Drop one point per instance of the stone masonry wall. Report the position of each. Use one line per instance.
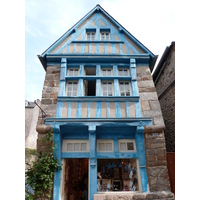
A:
(48, 103)
(155, 148)
(167, 99)
(131, 196)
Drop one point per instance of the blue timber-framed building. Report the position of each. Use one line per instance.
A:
(98, 112)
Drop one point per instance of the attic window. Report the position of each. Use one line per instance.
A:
(105, 34)
(90, 33)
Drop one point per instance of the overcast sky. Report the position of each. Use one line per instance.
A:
(151, 22)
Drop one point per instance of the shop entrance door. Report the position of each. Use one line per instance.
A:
(75, 179)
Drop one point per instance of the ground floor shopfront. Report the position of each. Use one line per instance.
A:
(99, 158)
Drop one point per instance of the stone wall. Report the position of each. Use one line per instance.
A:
(31, 117)
(167, 99)
(131, 196)
(48, 103)
(155, 148)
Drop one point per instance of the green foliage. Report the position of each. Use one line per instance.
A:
(29, 152)
(40, 176)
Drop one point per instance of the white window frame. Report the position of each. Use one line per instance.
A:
(73, 142)
(106, 70)
(91, 36)
(107, 91)
(104, 141)
(105, 36)
(122, 72)
(72, 72)
(67, 87)
(124, 87)
(127, 141)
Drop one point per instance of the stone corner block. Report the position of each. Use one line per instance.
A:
(43, 128)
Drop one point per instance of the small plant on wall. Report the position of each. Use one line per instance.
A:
(39, 175)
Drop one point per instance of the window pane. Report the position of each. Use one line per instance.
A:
(109, 72)
(122, 94)
(83, 146)
(109, 146)
(101, 147)
(70, 147)
(130, 146)
(76, 146)
(127, 93)
(122, 146)
(125, 72)
(69, 93)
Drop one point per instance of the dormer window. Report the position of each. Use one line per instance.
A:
(105, 34)
(90, 34)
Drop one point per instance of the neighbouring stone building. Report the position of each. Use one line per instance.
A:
(164, 79)
(104, 110)
(31, 118)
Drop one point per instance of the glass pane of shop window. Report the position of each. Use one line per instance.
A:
(130, 146)
(70, 147)
(109, 146)
(76, 146)
(101, 146)
(83, 146)
(122, 146)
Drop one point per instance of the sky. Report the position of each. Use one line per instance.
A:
(151, 22)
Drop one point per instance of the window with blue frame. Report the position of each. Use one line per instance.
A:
(125, 88)
(107, 88)
(72, 88)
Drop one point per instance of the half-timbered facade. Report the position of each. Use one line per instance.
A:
(104, 111)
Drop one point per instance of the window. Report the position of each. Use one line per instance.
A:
(105, 36)
(123, 72)
(72, 72)
(119, 175)
(124, 88)
(105, 146)
(75, 145)
(126, 145)
(106, 72)
(72, 88)
(107, 88)
(91, 36)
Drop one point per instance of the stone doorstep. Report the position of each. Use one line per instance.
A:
(131, 195)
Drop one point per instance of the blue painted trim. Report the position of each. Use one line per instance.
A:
(80, 87)
(98, 87)
(79, 110)
(98, 70)
(59, 109)
(57, 174)
(98, 41)
(98, 109)
(116, 87)
(139, 139)
(115, 70)
(137, 109)
(88, 110)
(108, 110)
(127, 109)
(99, 98)
(69, 109)
(117, 155)
(125, 78)
(75, 155)
(104, 122)
(118, 109)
